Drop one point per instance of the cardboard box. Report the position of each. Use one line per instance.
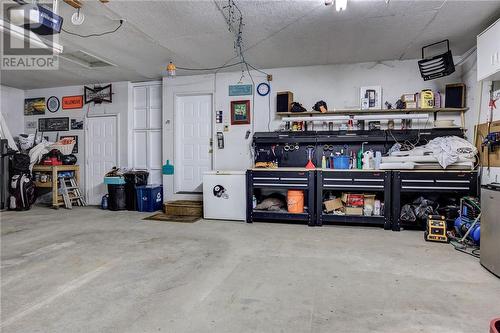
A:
(353, 211)
(411, 105)
(408, 98)
(355, 200)
(332, 205)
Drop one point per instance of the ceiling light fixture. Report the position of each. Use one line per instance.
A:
(171, 69)
(340, 5)
(77, 18)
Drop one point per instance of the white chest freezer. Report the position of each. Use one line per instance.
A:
(224, 195)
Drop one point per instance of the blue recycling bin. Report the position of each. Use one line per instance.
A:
(149, 198)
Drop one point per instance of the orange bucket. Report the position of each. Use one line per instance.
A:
(295, 201)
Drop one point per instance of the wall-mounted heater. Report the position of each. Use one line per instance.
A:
(437, 66)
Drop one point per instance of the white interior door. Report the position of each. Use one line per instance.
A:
(193, 133)
(101, 154)
(147, 136)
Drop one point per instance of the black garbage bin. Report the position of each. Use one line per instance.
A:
(117, 198)
(132, 180)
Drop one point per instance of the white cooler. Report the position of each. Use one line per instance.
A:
(224, 195)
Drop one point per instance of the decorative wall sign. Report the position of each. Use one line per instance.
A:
(34, 106)
(30, 125)
(74, 137)
(98, 94)
(53, 104)
(53, 124)
(240, 89)
(72, 102)
(240, 112)
(263, 89)
(76, 124)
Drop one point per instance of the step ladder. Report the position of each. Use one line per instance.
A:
(71, 193)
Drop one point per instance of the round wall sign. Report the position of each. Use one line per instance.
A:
(263, 89)
(53, 104)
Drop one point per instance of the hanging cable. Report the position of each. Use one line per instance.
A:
(209, 68)
(96, 34)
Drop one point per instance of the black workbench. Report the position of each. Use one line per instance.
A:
(281, 179)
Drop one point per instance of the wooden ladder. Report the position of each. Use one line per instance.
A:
(71, 192)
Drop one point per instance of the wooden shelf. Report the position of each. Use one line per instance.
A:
(46, 184)
(348, 112)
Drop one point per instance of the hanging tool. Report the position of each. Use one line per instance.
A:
(310, 164)
(491, 142)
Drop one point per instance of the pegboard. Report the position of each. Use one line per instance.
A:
(482, 131)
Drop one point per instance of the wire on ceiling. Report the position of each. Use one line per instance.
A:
(95, 34)
(209, 68)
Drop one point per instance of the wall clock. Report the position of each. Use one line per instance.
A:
(53, 104)
(263, 89)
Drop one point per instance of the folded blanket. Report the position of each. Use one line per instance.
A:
(450, 149)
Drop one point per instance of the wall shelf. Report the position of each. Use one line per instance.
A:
(353, 112)
(348, 112)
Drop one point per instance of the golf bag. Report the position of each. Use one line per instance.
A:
(22, 192)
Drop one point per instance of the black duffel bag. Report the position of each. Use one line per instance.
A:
(20, 164)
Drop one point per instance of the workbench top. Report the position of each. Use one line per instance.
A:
(356, 170)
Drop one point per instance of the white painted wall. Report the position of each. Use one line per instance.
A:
(338, 85)
(122, 101)
(11, 106)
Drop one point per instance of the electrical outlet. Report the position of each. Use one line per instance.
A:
(226, 128)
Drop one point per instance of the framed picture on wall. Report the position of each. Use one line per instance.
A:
(240, 112)
(34, 106)
(74, 137)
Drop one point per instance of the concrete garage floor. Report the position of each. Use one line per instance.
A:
(89, 270)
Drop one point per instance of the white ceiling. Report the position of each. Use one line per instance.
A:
(276, 34)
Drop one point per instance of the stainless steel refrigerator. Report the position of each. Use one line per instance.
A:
(490, 228)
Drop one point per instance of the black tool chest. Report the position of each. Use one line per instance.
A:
(378, 182)
(281, 179)
(388, 185)
(446, 183)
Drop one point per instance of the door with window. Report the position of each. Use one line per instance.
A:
(193, 135)
(147, 136)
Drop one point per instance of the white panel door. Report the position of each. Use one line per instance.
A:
(154, 157)
(101, 154)
(155, 101)
(147, 136)
(140, 107)
(193, 132)
(140, 151)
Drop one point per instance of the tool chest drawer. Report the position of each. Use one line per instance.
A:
(281, 179)
(448, 181)
(355, 180)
